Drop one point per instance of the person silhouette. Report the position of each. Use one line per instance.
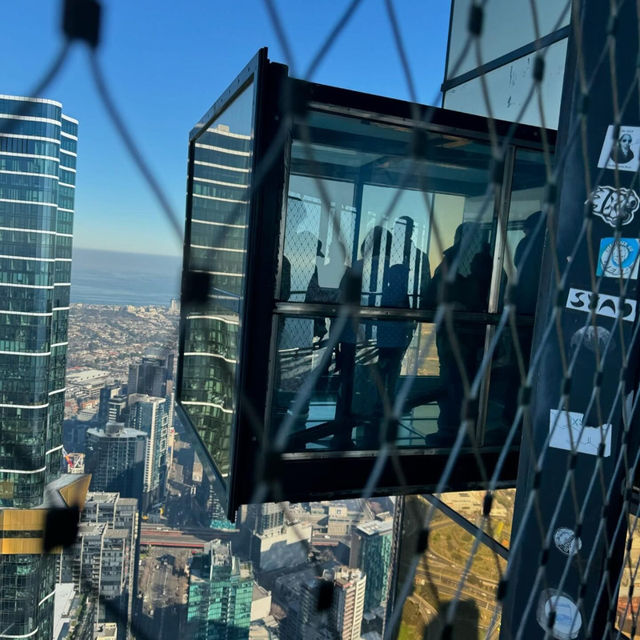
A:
(394, 336)
(527, 260)
(467, 291)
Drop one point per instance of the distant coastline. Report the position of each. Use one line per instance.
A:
(117, 278)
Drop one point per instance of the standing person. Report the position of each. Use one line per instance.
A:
(408, 274)
(527, 260)
(467, 292)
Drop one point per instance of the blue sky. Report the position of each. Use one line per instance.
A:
(166, 63)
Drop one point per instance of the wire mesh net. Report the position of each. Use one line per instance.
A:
(347, 379)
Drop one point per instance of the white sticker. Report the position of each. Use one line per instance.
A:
(567, 428)
(614, 205)
(623, 151)
(567, 620)
(618, 258)
(592, 338)
(567, 541)
(609, 306)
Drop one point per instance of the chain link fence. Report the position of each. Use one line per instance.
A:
(565, 390)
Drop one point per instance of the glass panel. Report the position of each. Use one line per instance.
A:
(525, 241)
(439, 571)
(507, 25)
(218, 235)
(358, 207)
(372, 360)
(509, 88)
(628, 604)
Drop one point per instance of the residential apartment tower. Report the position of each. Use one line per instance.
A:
(37, 184)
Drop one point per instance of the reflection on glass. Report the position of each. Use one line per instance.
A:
(510, 88)
(438, 574)
(356, 202)
(364, 224)
(628, 605)
(504, 30)
(523, 255)
(218, 231)
(360, 376)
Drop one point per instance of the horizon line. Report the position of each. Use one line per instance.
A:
(133, 253)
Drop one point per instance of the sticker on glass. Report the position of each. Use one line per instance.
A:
(621, 150)
(569, 433)
(566, 541)
(609, 306)
(567, 620)
(592, 338)
(618, 258)
(614, 205)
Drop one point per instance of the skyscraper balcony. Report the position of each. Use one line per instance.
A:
(321, 225)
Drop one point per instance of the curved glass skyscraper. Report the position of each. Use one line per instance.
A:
(37, 183)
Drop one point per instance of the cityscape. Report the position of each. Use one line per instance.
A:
(331, 416)
(267, 563)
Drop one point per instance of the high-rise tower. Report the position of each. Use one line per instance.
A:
(371, 552)
(151, 415)
(37, 184)
(153, 375)
(220, 592)
(348, 602)
(115, 458)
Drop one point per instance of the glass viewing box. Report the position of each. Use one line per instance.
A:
(304, 197)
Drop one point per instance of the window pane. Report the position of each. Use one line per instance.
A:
(509, 87)
(507, 25)
(364, 373)
(358, 206)
(438, 574)
(523, 256)
(218, 234)
(628, 604)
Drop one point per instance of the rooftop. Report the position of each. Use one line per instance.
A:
(91, 528)
(344, 576)
(376, 527)
(124, 433)
(102, 496)
(259, 592)
(109, 497)
(143, 397)
(116, 533)
(106, 631)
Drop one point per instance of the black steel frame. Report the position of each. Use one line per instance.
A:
(308, 476)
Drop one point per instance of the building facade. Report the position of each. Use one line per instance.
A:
(118, 513)
(220, 594)
(347, 608)
(102, 561)
(38, 146)
(105, 411)
(371, 546)
(217, 249)
(115, 458)
(153, 375)
(276, 543)
(150, 415)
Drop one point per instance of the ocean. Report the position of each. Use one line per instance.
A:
(115, 278)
